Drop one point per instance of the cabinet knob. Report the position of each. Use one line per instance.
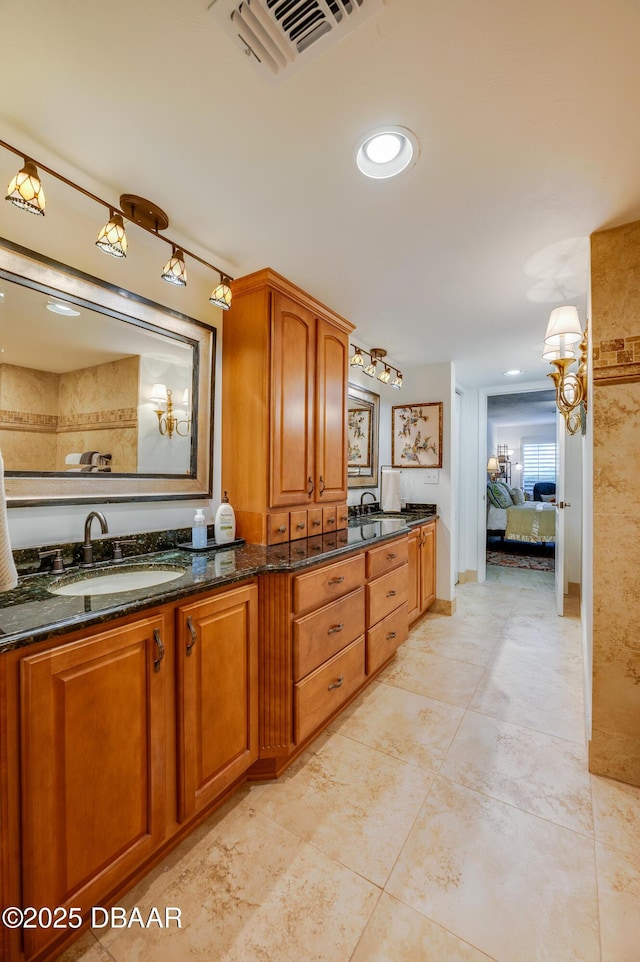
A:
(331, 520)
(336, 684)
(282, 528)
(300, 525)
(316, 523)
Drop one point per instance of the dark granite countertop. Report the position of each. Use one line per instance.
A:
(30, 613)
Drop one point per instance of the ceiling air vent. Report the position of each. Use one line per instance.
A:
(280, 36)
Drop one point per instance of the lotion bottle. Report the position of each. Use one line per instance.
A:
(225, 522)
(199, 530)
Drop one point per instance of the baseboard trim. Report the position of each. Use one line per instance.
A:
(440, 607)
(466, 577)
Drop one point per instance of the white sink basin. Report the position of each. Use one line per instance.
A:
(124, 579)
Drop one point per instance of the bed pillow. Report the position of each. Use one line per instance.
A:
(517, 495)
(498, 494)
(549, 498)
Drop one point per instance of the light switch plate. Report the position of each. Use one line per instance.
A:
(431, 476)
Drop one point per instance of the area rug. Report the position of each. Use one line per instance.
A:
(520, 561)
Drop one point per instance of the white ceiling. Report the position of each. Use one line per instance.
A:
(526, 115)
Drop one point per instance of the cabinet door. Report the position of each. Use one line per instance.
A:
(217, 660)
(92, 729)
(414, 555)
(292, 403)
(428, 566)
(331, 413)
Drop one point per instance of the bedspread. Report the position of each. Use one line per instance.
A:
(533, 521)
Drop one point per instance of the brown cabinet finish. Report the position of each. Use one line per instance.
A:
(92, 724)
(385, 638)
(386, 593)
(217, 666)
(386, 557)
(284, 380)
(422, 569)
(324, 632)
(325, 584)
(319, 696)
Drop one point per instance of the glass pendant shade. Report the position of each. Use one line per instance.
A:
(221, 295)
(357, 360)
(385, 375)
(174, 271)
(25, 190)
(563, 327)
(370, 369)
(112, 238)
(397, 381)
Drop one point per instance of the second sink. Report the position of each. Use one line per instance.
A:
(123, 579)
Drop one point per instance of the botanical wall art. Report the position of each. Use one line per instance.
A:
(359, 437)
(416, 435)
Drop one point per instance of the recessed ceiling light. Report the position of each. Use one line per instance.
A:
(60, 308)
(513, 372)
(1, 295)
(386, 151)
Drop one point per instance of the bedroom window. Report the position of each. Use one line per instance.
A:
(538, 463)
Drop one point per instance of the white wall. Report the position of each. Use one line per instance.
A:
(156, 450)
(67, 234)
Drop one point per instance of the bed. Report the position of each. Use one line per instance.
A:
(530, 521)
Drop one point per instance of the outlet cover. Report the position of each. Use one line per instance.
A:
(431, 476)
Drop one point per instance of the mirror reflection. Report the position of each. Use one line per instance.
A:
(364, 407)
(83, 392)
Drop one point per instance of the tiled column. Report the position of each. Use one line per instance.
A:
(615, 326)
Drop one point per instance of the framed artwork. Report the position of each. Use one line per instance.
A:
(416, 435)
(362, 437)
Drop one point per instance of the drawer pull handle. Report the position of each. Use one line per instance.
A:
(331, 520)
(300, 525)
(392, 634)
(391, 594)
(193, 634)
(391, 557)
(160, 647)
(282, 529)
(335, 629)
(344, 517)
(336, 581)
(311, 487)
(322, 485)
(317, 523)
(336, 684)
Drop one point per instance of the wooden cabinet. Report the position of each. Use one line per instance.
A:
(422, 569)
(217, 666)
(387, 596)
(111, 742)
(92, 765)
(284, 416)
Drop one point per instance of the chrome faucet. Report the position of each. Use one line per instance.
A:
(87, 547)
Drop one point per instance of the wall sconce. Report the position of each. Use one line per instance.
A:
(26, 192)
(371, 369)
(563, 332)
(493, 468)
(168, 423)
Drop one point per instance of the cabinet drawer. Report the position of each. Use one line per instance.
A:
(386, 557)
(327, 583)
(323, 691)
(329, 519)
(298, 524)
(314, 521)
(278, 528)
(386, 593)
(386, 637)
(343, 517)
(320, 635)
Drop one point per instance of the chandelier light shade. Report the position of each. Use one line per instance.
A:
(385, 376)
(112, 238)
(563, 331)
(371, 368)
(376, 354)
(357, 359)
(175, 271)
(397, 381)
(25, 190)
(221, 295)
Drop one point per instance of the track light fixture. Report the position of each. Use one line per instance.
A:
(371, 369)
(26, 192)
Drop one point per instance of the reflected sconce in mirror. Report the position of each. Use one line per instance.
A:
(371, 369)
(168, 423)
(562, 334)
(26, 192)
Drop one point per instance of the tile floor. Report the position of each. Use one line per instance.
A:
(446, 816)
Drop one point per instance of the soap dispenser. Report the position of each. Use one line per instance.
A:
(199, 530)
(224, 527)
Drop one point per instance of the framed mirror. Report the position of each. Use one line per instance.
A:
(104, 395)
(363, 427)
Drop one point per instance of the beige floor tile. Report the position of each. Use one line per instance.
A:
(619, 897)
(519, 687)
(411, 727)
(538, 773)
(521, 577)
(464, 640)
(354, 803)
(515, 886)
(86, 949)
(260, 895)
(445, 679)
(616, 812)
(396, 933)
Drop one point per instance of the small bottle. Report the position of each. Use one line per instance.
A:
(225, 522)
(199, 530)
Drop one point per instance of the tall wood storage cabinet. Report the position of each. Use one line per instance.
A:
(284, 411)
